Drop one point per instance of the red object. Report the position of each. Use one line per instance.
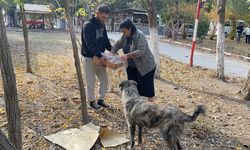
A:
(36, 22)
(198, 12)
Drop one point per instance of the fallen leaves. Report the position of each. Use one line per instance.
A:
(50, 100)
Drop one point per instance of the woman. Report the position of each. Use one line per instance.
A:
(141, 63)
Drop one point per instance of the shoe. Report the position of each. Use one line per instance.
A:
(101, 102)
(94, 105)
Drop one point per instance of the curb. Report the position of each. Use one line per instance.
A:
(208, 49)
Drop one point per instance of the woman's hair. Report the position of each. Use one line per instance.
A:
(127, 24)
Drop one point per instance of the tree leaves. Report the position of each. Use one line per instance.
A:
(81, 12)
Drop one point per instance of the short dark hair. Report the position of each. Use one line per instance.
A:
(103, 9)
(128, 24)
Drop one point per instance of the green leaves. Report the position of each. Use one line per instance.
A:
(4, 3)
(60, 10)
(81, 12)
(19, 2)
(7, 3)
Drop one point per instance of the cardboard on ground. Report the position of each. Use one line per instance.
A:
(85, 137)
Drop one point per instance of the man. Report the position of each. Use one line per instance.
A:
(94, 42)
(240, 29)
(247, 33)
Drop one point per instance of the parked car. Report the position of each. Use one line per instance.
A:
(186, 30)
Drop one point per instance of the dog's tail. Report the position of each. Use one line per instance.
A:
(200, 109)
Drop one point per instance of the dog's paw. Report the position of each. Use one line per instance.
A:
(141, 146)
(129, 148)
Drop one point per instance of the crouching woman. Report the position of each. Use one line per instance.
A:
(141, 64)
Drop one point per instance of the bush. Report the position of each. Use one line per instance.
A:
(203, 27)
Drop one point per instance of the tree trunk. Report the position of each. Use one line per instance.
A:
(220, 38)
(150, 6)
(84, 112)
(10, 90)
(211, 37)
(154, 39)
(5, 144)
(245, 91)
(25, 35)
(173, 32)
(233, 29)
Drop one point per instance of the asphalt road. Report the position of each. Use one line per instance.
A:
(206, 60)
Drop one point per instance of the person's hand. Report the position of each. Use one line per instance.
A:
(113, 53)
(102, 60)
(124, 57)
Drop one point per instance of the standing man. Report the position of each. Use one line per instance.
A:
(240, 29)
(94, 42)
(247, 33)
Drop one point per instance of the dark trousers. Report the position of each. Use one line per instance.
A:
(248, 39)
(145, 84)
(238, 37)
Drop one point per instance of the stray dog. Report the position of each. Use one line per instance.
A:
(121, 73)
(169, 119)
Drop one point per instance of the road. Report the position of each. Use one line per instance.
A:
(206, 60)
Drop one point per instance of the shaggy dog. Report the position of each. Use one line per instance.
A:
(169, 119)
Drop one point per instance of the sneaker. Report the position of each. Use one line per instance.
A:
(94, 105)
(101, 102)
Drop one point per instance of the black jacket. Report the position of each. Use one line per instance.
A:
(94, 39)
(240, 29)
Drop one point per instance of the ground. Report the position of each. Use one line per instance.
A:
(49, 99)
(231, 46)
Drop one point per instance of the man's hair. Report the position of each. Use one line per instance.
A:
(103, 9)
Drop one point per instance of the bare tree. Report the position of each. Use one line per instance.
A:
(26, 39)
(172, 17)
(150, 6)
(5, 143)
(10, 90)
(245, 91)
(220, 46)
(84, 112)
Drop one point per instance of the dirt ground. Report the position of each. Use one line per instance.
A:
(48, 99)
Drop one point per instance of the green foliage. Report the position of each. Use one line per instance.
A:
(81, 12)
(19, 2)
(237, 8)
(3, 2)
(203, 26)
(6, 3)
(186, 10)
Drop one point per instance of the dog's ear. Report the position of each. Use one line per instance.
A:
(122, 84)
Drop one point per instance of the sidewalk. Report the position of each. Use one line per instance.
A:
(205, 49)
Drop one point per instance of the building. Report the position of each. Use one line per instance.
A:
(37, 16)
